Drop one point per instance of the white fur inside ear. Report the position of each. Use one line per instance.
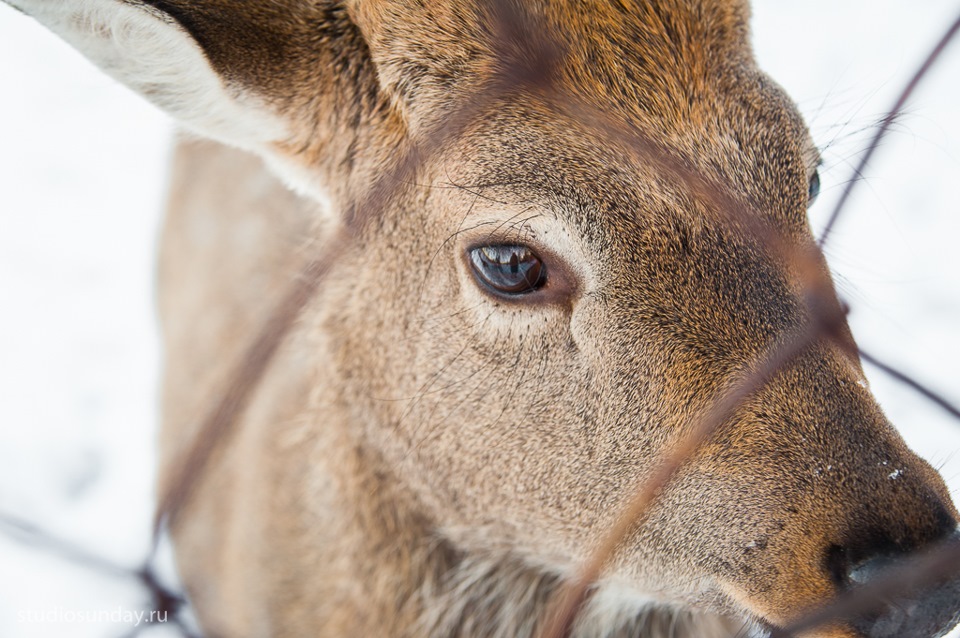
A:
(152, 54)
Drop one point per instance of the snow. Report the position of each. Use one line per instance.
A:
(82, 171)
(82, 165)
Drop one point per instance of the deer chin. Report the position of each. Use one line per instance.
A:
(513, 591)
(611, 609)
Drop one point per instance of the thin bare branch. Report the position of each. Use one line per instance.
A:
(910, 382)
(719, 411)
(27, 533)
(891, 116)
(253, 365)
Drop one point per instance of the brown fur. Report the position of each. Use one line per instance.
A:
(427, 459)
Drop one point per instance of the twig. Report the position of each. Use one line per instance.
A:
(909, 381)
(887, 121)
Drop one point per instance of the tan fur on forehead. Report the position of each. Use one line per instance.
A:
(633, 53)
(655, 57)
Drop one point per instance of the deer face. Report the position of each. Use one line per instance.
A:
(536, 315)
(532, 326)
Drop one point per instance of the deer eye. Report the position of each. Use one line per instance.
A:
(814, 188)
(508, 269)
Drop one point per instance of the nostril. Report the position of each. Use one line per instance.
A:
(868, 570)
(871, 549)
(849, 567)
(911, 613)
(838, 565)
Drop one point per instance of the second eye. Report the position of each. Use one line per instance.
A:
(813, 188)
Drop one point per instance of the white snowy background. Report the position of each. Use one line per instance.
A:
(82, 169)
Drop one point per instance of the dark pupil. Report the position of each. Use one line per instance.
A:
(509, 269)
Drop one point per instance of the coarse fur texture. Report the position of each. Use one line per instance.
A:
(428, 457)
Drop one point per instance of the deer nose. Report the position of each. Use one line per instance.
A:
(928, 613)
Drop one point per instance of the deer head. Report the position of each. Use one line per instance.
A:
(573, 228)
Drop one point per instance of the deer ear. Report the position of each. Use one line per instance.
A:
(427, 54)
(145, 46)
(288, 79)
(432, 57)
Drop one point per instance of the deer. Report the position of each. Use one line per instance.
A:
(551, 234)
